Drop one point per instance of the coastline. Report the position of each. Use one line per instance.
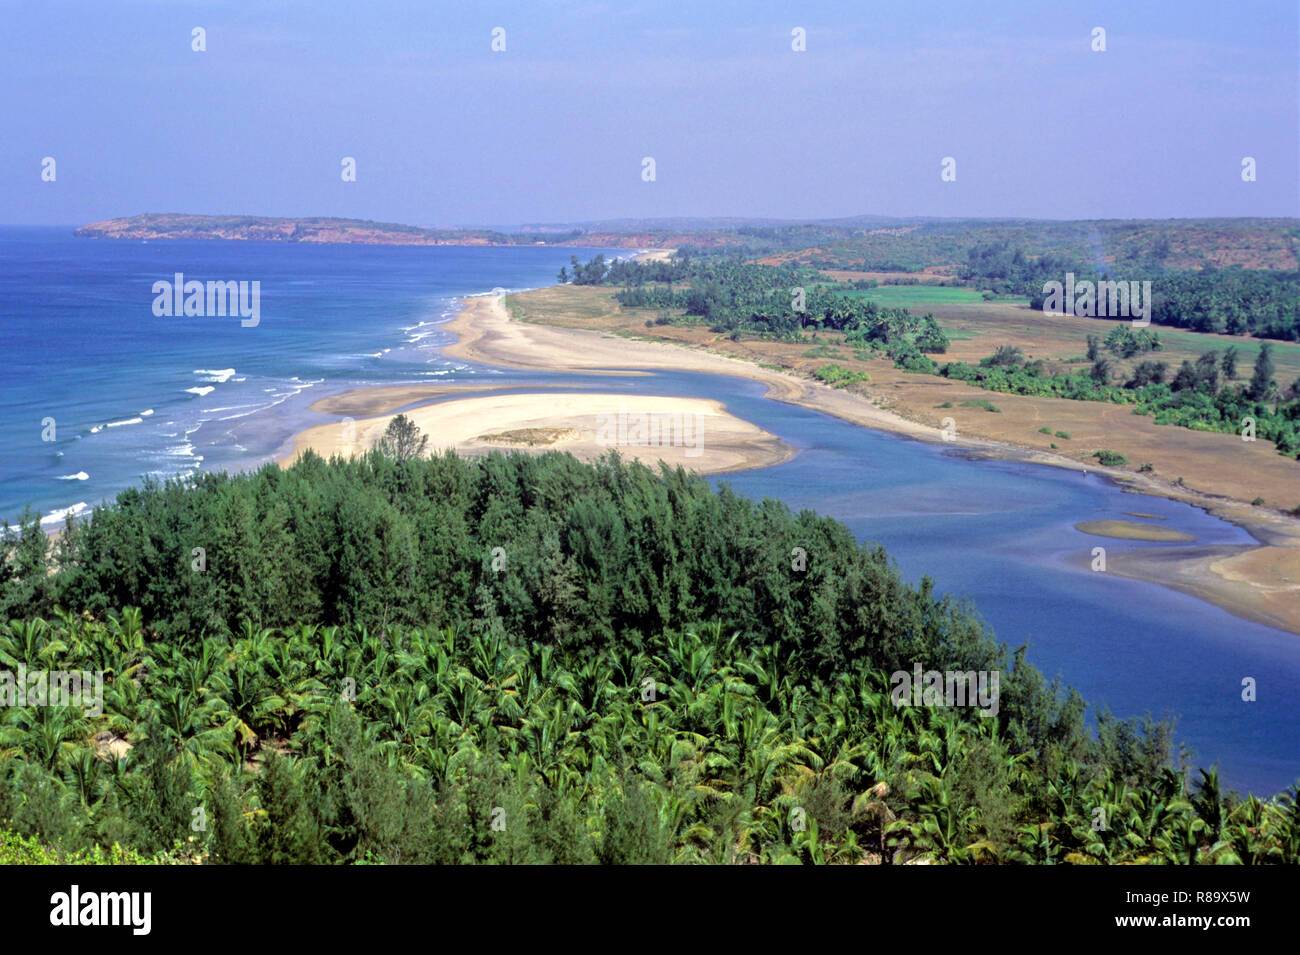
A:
(1260, 583)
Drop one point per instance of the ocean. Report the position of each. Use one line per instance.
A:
(101, 392)
(132, 394)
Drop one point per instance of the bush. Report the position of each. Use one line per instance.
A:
(837, 376)
(1110, 459)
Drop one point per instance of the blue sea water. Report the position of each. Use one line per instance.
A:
(83, 347)
(133, 394)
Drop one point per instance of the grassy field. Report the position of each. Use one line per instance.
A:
(1286, 355)
(903, 296)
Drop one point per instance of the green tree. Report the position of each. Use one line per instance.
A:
(1261, 382)
(286, 832)
(402, 440)
(1228, 363)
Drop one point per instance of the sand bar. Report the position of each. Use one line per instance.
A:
(1134, 531)
(695, 433)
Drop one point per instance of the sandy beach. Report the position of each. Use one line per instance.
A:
(1257, 583)
(694, 433)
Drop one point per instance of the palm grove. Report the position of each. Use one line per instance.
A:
(517, 659)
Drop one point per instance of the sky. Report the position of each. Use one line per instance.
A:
(446, 131)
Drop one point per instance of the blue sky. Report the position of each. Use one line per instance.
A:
(447, 132)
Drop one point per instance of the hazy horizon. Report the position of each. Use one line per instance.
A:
(448, 133)
(689, 221)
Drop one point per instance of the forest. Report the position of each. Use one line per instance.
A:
(771, 302)
(1220, 301)
(517, 659)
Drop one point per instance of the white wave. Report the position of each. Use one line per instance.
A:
(185, 450)
(56, 516)
(244, 414)
(118, 424)
(79, 476)
(96, 429)
(202, 390)
(218, 375)
(146, 413)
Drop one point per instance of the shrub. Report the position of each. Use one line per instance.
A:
(1110, 459)
(837, 376)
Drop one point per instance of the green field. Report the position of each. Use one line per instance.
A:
(905, 295)
(1285, 354)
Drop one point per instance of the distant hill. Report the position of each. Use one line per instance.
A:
(862, 243)
(269, 229)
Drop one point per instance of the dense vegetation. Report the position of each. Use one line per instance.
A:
(529, 659)
(766, 301)
(1198, 396)
(1221, 301)
(986, 249)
